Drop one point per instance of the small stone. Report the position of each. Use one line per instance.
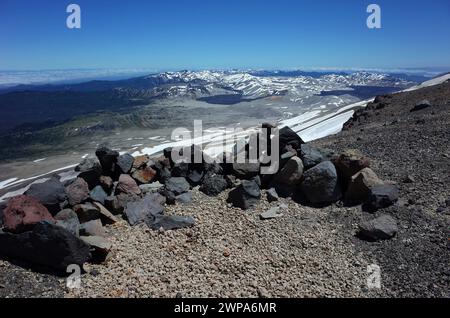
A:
(272, 195)
(381, 228)
(272, 213)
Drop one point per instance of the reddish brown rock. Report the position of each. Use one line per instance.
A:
(350, 162)
(23, 212)
(140, 161)
(127, 185)
(77, 191)
(145, 175)
(360, 185)
(106, 183)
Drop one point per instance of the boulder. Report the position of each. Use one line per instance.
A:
(86, 212)
(177, 185)
(213, 185)
(22, 213)
(108, 160)
(144, 175)
(127, 185)
(143, 211)
(350, 162)
(245, 196)
(311, 156)
(421, 105)
(92, 228)
(125, 163)
(360, 185)
(320, 184)
(291, 173)
(272, 195)
(50, 193)
(184, 198)
(246, 170)
(381, 196)
(171, 222)
(48, 245)
(90, 171)
(170, 196)
(289, 137)
(383, 227)
(68, 219)
(98, 194)
(77, 191)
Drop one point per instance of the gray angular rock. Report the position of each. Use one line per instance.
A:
(381, 196)
(184, 198)
(311, 156)
(99, 246)
(246, 195)
(105, 215)
(98, 194)
(92, 228)
(320, 184)
(151, 187)
(86, 212)
(272, 213)
(143, 211)
(177, 185)
(116, 204)
(68, 219)
(195, 177)
(50, 193)
(171, 222)
(125, 163)
(421, 105)
(272, 195)
(383, 227)
(47, 245)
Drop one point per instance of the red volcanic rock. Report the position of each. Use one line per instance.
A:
(23, 212)
(145, 175)
(77, 191)
(127, 185)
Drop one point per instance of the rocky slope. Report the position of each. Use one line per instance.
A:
(375, 194)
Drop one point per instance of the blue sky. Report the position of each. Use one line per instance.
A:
(201, 34)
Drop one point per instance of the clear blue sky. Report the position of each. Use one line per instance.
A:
(200, 34)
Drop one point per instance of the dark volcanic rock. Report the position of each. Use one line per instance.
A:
(171, 222)
(68, 219)
(86, 212)
(289, 137)
(48, 245)
(213, 185)
(246, 195)
(108, 159)
(177, 185)
(116, 204)
(127, 185)
(195, 177)
(272, 195)
(107, 183)
(381, 196)
(23, 212)
(50, 193)
(320, 184)
(421, 105)
(77, 191)
(381, 228)
(90, 171)
(246, 170)
(180, 169)
(98, 194)
(143, 211)
(125, 163)
(311, 156)
(291, 173)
